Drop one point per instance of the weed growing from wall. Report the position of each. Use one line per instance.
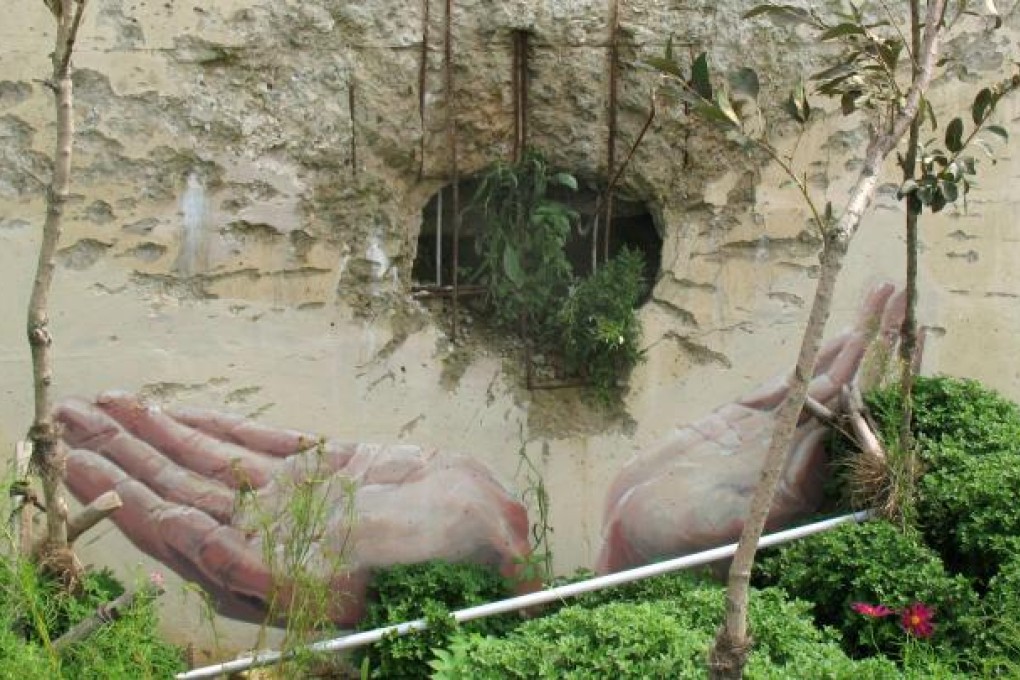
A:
(538, 563)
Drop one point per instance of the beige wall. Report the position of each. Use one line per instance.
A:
(222, 248)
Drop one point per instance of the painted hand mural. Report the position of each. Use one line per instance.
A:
(691, 492)
(205, 492)
(209, 494)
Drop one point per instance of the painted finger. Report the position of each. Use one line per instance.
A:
(227, 561)
(187, 540)
(276, 442)
(228, 463)
(845, 365)
(89, 428)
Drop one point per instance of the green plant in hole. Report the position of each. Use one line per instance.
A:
(521, 244)
(601, 330)
(590, 324)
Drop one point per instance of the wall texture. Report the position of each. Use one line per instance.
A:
(247, 194)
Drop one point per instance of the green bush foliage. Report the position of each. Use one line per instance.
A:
(426, 590)
(601, 331)
(34, 611)
(957, 412)
(970, 513)
(663, 637)
(874, 563)
(968, 437)
(996, 635)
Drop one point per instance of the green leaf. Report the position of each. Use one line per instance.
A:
(949, 191)
(842, 30)
(998, 130)
(802, 102)
(745, 82)
(667, 66)
(790, 106)
(889, 52)
(914, 204)
(512, 266)
(954, 135)
(700, 79)
(722, 100)
(928, 112)
(669, 47)
(713, 114)
(565, 179)
(848, 102)
(782, 11)
(982, 106)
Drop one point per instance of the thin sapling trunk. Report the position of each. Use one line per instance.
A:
(47, 458)
(732, 645)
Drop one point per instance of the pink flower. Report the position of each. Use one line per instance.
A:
(916, 620)
(876, 611)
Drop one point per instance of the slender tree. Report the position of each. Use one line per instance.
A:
(732, 645)
(47, 458)
(865, 76)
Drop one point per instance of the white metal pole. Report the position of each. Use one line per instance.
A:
(530, 600)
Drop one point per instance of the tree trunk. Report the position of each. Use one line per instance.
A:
(732, 645)
(46, 454)
(908, 332)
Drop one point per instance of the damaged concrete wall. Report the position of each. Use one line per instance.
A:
(247, 194)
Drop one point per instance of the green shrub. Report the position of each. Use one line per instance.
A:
(969, 512)
(664, 637)
(947, 410)
(996, 634)
(968, 437)
(34, 611)
(874, 563)
(600, 326)
(426, 590)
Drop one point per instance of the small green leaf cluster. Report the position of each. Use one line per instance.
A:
(872, 562)
(654, 637)
(946, 172)
(429, 590)
(601, 333)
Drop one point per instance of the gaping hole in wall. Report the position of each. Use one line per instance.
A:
(632, 226)
(538, 271)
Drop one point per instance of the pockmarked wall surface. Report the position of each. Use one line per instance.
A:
(249, 181)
